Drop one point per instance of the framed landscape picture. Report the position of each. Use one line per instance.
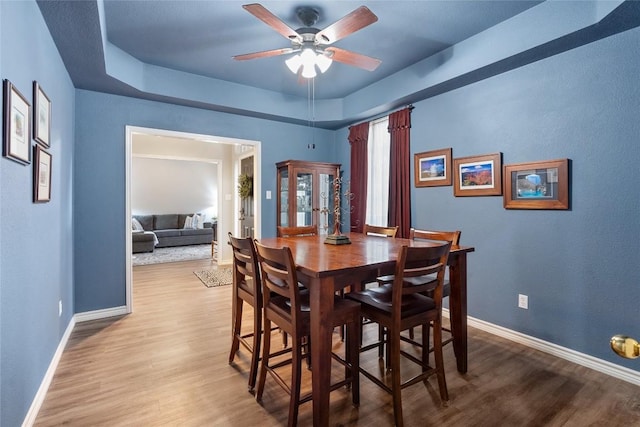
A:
(432, 168)
(537, 185)
(16, 125)
(41, 116)
(478, 175)
(41, 175)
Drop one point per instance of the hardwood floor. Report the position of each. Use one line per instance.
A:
(166, 364)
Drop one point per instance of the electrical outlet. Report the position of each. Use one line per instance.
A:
(523, 301)
(60, 308)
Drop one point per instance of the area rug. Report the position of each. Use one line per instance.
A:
(218, 277)
(174, 254)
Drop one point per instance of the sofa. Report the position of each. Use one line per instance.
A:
(169, 230)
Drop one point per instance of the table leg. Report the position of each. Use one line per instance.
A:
(458, 308)
(322, 292)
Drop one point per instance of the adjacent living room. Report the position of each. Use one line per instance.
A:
(174, 199)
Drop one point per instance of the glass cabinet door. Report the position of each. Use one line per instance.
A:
(284, 198)
(304, 199)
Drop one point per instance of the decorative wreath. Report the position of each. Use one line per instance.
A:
(245, 186)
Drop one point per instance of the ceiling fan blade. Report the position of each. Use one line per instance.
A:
(264, 54)
(351, 58)
(348, 24)
(272, 20)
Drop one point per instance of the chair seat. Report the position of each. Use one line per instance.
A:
(446, 289)
(342, 308)
(380, 299)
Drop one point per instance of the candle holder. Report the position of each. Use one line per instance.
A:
(337, 238)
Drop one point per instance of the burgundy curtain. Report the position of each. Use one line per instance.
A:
(358, 136)
(400, 172)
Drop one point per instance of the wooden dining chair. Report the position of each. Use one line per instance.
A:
(375, 230)
(436, 236)
(287, 306)
(401, 305)
(307, 230)
(247, 287)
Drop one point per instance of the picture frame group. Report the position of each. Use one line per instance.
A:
(530, 185)
(20, 127)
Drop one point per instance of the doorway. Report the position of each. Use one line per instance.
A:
(231, 151)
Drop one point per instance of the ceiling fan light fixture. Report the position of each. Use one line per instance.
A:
(308, 71)
(308, 57)
(323, 62)
(294, 63)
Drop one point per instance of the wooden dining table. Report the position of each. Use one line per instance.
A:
(325, 268)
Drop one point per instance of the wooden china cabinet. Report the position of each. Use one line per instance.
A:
(306, 194)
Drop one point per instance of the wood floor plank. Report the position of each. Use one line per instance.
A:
(166, 365)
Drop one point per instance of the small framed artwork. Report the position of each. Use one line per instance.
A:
(537, 185)
(41, 116)
(478, 175)
(16, 125)
(41, 175)
(432, 168)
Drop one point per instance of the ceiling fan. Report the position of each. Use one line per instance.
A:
(311, 45)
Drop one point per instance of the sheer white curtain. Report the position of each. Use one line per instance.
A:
(379, 146)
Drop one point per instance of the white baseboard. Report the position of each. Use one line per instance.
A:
(101, 314)
(48, 376)
(30, 419)
(582, 359)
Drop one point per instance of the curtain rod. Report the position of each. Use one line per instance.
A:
(371, 119)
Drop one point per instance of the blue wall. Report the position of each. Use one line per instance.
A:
(36, 240)
(100, 144)
(580, 268)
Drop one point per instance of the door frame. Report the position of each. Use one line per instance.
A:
(223, 221)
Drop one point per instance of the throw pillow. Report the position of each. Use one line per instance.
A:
(188, 222)
(197, 221)
(135, 225)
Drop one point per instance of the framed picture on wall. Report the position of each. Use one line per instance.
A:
(16, 125)
(41, 175)
(537, 185)
(41, 116)
(432, 168)
(478, 175)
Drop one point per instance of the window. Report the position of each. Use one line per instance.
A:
(379, 151)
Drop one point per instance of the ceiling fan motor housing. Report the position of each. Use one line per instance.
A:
(307, 16)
